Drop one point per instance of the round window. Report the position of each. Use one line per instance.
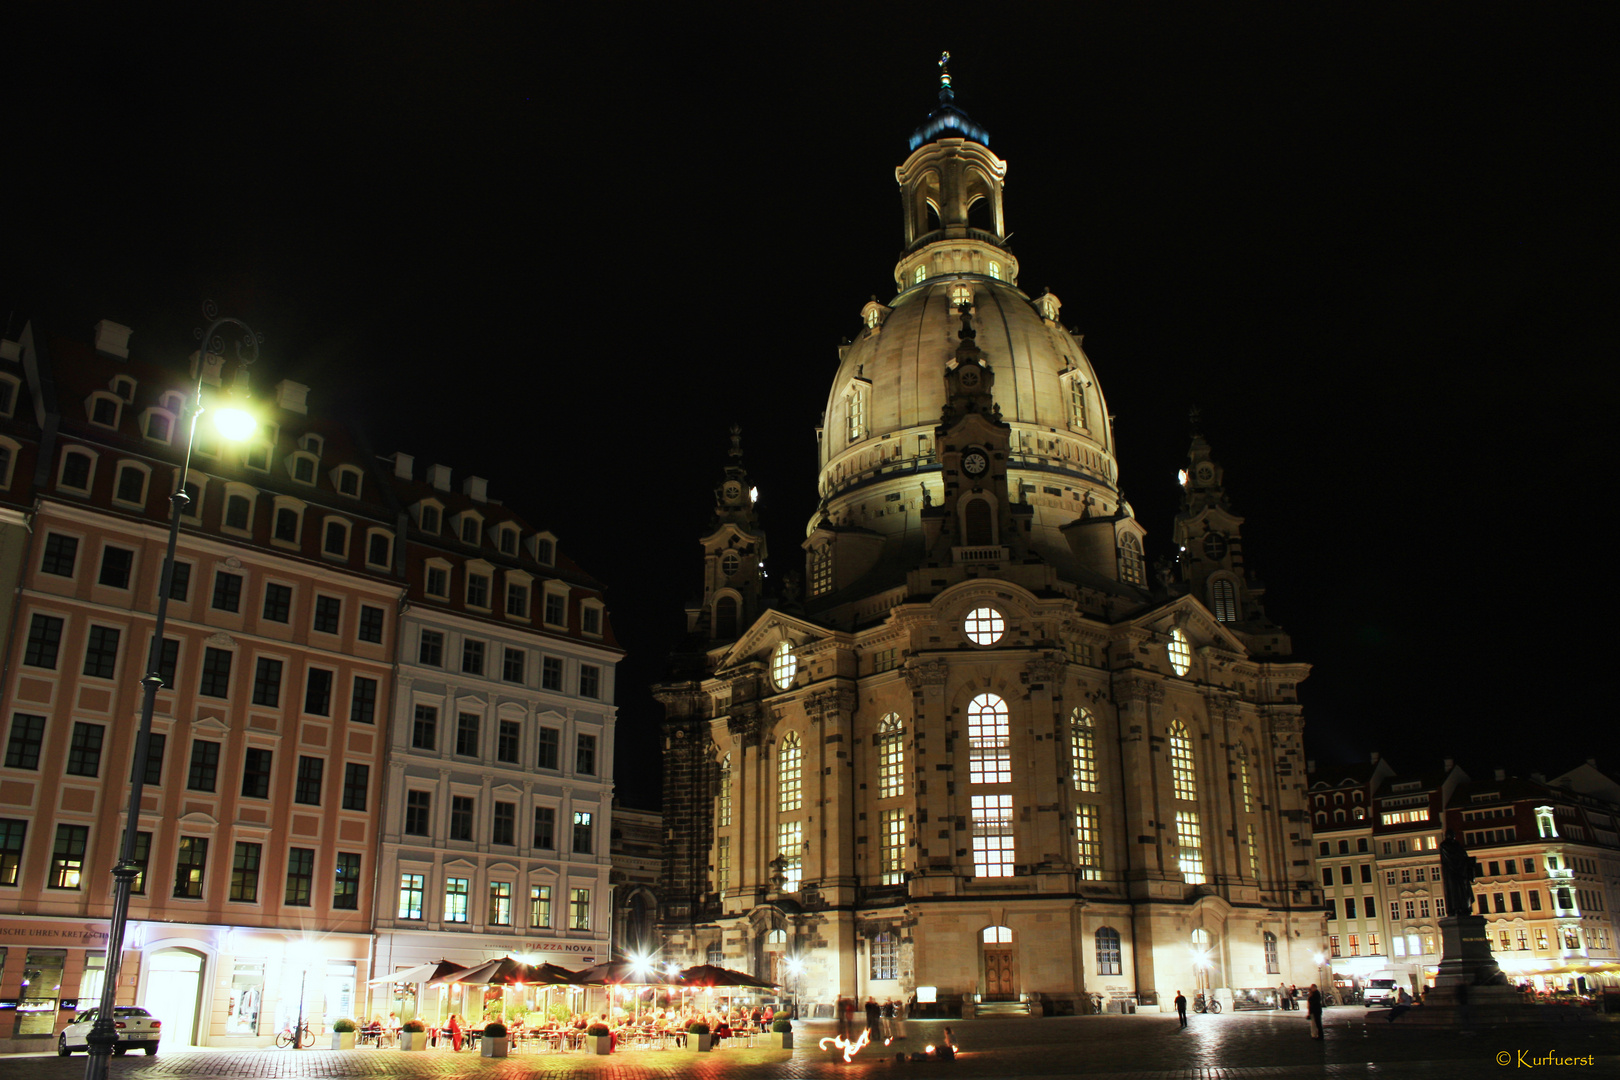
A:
(784, 665)
(984, 626)
(1180, 652)
(729, 563)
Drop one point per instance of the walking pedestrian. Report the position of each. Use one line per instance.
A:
(1313, 1011)
(845, 1012)
(900, 1019)
(874, 1012)
(888, 1020)
(1283, 1000)
(1181, 1007)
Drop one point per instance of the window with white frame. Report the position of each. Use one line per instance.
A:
(301, 466)
(76, 470)
(994, 269)
(347, 479)
(471, 528)
(790, 848)
(130, 487)
(1180, 652)
(335, 538)
(104, 409)
(1083, 749)
(789, 769)
(506, 539)
(891, 748)
(992, 835)
(379, 548)
(286, 521)
(722, 809)
(1189, 847)
(1183, 776)
(1087, 842)
(893, 849)
(989, 741)
(436, 579)
(1130, 560)
(855, 402)
(784, 665)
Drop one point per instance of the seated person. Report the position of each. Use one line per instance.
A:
(947, 1046)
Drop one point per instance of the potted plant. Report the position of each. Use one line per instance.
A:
(599, 1037)
(698, 1037)
(343, 1034)
(412, 1035)
(782, 1033)
(493, 1044)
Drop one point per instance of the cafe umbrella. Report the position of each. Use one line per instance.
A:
(430, 973)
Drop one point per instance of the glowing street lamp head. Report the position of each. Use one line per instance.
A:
(234, 423)
(795, 966)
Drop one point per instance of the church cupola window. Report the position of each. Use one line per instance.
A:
(989, 741)
(725, 617)
(961, 294)
(1083, 750)
(919, 275)
(891, 757)
(1130, 560)
(855, 399)
(729, 564)
(821, 570)
(784, 666)
(1076, 385)
(994, 269)
(1180, 652)
(1223, 598)
(789, 773)
(984, 626)
(1183, 775)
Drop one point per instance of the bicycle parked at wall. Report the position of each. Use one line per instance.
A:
(1206, 1003)
(306, 1038)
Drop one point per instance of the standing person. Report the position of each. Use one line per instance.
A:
(845, 1009)
(900, 1019)
(455, 1031)
(873, 1013)
(1313, 1011)
(1181, 1007)
(888, 1020)
(1282, 996)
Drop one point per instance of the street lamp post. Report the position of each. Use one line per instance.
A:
(103, 1034)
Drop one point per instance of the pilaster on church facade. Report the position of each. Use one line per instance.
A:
(982, 754)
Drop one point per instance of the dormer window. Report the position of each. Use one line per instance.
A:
(286, 522)
(517, 596)
(8, 395)
(124, 387)
(471, 528)
(346, 478)
(428, 518)
(157, 425)
(478, 579)
(919, 275)
(994, 269)
(301, 465)
(379, 549)
(506, 538)
(312, 444)
(335, 538)
(436, 579)
(239, 499)
(855, 401)
(1076, 385)
(105, 409)
(590, 618)
(873, 317)
(544, 549)
(78, 466)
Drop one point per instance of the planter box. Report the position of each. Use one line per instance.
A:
(780, 1040)
(343, 1040)
(699, 1043)
(413, 1040)
(599, 1044)
(492, 1047)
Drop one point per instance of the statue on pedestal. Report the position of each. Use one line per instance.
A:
(1457, 866)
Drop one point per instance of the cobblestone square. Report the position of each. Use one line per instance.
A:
(1262, 1044)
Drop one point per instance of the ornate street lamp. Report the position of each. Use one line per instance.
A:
(236, 423)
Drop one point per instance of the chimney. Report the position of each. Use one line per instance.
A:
(1449, 764)
(292, 396)
(1540, 778)
(1310, 765)
(112, 339)
(403, 465)
(1375, 757)
(1501, 774)
(475, 488)
(439, 477)
(1592, 761)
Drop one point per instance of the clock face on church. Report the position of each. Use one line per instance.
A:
(975, 463)
(732, 490)
(969, 378)
(1214, 547)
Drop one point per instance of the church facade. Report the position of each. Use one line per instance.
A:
(980, 753)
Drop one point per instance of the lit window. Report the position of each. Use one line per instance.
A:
(995, 269)
(539, 906)
(992, 836)
(1189, 847)
(961, 294)
(891, 748)
(67, 857)
(722, 865)
(919, 275)
(990, 756)
(894, 847)
(456, 891)
(885, 952)
(784, 665)
(856, 400)
(500, 903)
(984, 626)
(1223, 595)
(1243, 779)
(722, 812)
(579, 909)
(821, 570)
(1083, 750)
(1272, 963)
(1077, 402)
(1180, 652)
(789, 767)
(790, 848)
(1254, 855)
(1108, 952)
(1087, 843)
(1130, 560)
(1182, 775)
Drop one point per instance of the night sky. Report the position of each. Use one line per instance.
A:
(1372, 242)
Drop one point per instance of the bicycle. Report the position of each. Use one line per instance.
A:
(1204, 1004)
(306, 1038)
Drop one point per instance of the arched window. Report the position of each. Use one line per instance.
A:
(1083, 749)
(891, 748)
(1182, 775)
(1223, 598)
(722, 809)
(789, 764)
(977, 527)
(821, 570)
(716, 955)
(989, 753)
(1130, 560)
(1272, 966)
(1180, 652)
(725, 617)
(1108, 956)
(997, 935)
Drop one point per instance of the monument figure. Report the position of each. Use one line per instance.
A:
(1457, 866)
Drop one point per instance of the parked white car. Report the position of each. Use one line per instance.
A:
(137, 1030)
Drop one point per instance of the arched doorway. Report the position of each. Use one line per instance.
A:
(174, 982)
(1000, 964)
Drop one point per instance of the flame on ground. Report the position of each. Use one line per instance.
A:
(849, 1048)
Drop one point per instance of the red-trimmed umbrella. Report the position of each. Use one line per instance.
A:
(709, 975)
(429, 972)
(507, 971)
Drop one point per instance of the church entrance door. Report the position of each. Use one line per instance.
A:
(1000, 984)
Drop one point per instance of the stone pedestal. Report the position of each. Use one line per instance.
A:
(1466, 959)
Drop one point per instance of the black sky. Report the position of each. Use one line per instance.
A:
(1374, 242)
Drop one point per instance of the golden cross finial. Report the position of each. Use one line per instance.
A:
(945, 76)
